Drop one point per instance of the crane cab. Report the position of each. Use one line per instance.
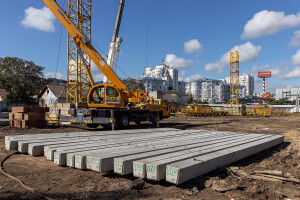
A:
(105, 96)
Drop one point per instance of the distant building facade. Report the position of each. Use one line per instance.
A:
(246, 81)
(282, 93)
(51, 94)
(211, 90)
(173, 97)
(162, 77)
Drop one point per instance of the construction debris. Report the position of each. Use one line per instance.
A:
(266, 175)
(24, 117)
(156, 154)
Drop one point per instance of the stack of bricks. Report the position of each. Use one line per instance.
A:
(25, 117)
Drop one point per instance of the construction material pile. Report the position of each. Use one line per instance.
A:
(25, 117)
(167, 154)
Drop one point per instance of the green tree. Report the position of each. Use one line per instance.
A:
(20, 78)
(190, 99)
(133, 85)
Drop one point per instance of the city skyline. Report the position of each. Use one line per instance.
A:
(189, 36)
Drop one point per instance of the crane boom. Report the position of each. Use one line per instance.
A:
(116, 40)
(118, 21)
(86, 45)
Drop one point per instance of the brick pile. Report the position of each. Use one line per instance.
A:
(25, 117)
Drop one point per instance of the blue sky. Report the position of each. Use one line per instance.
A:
(194, 36)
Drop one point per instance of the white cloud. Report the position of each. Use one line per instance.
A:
(281, 72)
(248, 52)
(295, 41)
(96, 73)
(269, 22)
(296, 58)
(54, 75)
(41, 19)
(295, 73)
(260, 68)
(179, 63)
(192, 46)
(193, 77)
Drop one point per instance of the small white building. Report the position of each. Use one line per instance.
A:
(173, 97)
(176, 97)
(51, 93)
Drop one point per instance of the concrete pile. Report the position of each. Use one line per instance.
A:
(24, 117)
(155, 154)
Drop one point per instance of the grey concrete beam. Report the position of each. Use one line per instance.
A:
(180, 172)
(156, 170)
(124, 165)
(11, 142)
(82, 160)
(60, 157)
(131, 142)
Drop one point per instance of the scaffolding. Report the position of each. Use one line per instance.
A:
(79, 11)
(234, 82)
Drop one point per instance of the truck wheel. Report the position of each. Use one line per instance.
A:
(138, 122)
(124, 121)
(92, 125)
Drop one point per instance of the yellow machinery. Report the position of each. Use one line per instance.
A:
(109, 103)
(234, 82)
(78, 85)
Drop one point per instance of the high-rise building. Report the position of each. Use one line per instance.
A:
(211, 90)
(162, 76)
(247, 81)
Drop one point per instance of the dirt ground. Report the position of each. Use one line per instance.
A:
(57, 182)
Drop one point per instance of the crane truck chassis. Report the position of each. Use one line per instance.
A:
(119, 117)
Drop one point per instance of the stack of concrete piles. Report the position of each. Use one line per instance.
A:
(155, 154)
(24, 117)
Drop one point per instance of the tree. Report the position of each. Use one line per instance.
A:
(133, 85)
(20, 78)
(190, 99)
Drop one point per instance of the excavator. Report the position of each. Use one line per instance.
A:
(109, 104)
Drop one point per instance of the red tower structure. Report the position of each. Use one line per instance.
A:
(264, 75)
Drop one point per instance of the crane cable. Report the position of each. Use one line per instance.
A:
(59, 46)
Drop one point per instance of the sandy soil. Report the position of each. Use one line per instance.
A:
(67, 183)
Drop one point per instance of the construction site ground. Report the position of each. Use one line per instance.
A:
(57, 182)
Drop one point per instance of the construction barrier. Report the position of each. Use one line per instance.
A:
(252, 110)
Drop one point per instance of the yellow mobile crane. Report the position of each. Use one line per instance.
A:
(109, 104)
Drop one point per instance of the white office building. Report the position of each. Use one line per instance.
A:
(162, 76)
(247, 81)
(287, 93)
(211, 91)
